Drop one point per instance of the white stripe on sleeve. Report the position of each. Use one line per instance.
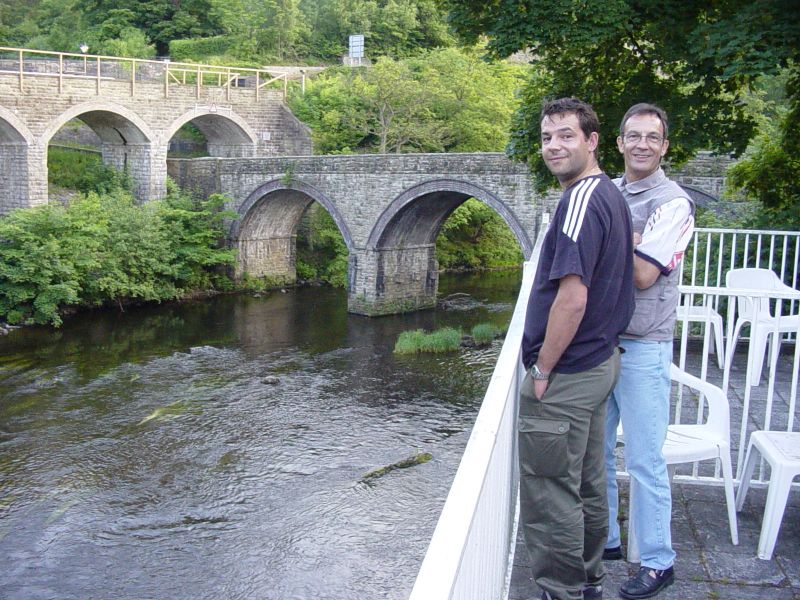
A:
(578, 202)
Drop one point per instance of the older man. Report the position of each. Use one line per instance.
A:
(663, 222)
(581, 301)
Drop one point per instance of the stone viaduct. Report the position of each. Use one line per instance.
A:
(135, 107)
(388, 208)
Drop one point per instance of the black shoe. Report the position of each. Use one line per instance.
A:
(593, 592)
(614, 553)
(647, 583)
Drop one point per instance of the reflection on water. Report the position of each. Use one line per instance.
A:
(215, 449)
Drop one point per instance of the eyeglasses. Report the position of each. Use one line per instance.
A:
(634, 138)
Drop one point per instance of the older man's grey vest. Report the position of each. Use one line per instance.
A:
(655, 314)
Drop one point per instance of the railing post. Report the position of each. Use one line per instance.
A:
(133, 77)
(198, 82)
(166, 80)
(60, 73)
(228, 83)
(258, 84)
(21, 72)
(97, 87)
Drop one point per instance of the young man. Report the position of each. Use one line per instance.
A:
(663, 222)
(582, 299)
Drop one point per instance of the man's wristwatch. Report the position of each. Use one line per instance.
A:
(537, 374)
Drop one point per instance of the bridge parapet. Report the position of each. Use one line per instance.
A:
(26, 64)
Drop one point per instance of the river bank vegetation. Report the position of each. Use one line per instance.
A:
(104, 249)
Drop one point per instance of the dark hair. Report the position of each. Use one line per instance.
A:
(586, 116)
(643, 108)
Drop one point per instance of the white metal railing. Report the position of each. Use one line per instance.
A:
(472, 549)
(713, 252)
(766, 413)
(710, 256)
(25, 63)
(471, 552)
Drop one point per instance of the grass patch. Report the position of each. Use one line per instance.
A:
(484, 333)
(446, 339)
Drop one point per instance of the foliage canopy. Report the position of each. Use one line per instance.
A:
(694, 58)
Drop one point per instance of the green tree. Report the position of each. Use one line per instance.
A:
(476, 237)
(263, 28)
(396, 109)
(160, 20)
(129, 42)
(442, 100)
(768, 171)
(394, 28)
(693, 58)
(329, 97)
(473, 98)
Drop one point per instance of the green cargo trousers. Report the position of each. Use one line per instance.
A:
(563, 506)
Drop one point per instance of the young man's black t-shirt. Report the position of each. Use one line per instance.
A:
(590, 236)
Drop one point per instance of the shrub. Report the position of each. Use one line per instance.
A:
(446, 339)
(104, 249)
(195, 49)
(84, 171)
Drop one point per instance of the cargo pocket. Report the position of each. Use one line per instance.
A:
(543, 443)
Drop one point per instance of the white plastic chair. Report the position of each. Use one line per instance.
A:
(687, 443)
(710, 317)
(781, 449)
(762, 280)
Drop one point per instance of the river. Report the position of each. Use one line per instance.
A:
(217, 449)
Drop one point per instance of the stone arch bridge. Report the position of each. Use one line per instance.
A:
(388, 208)
(134, 107)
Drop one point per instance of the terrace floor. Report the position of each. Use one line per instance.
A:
(708, 566)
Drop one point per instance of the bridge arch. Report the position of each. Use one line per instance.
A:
(227, 134)
(265, 233)
(13, 130)
(398, 270)
(113, 123)
(128, 143)
(416, 216)
(15, 157)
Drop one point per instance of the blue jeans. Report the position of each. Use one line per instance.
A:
(641, 400)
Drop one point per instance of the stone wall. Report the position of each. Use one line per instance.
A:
(706, 172)
(14, 175)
